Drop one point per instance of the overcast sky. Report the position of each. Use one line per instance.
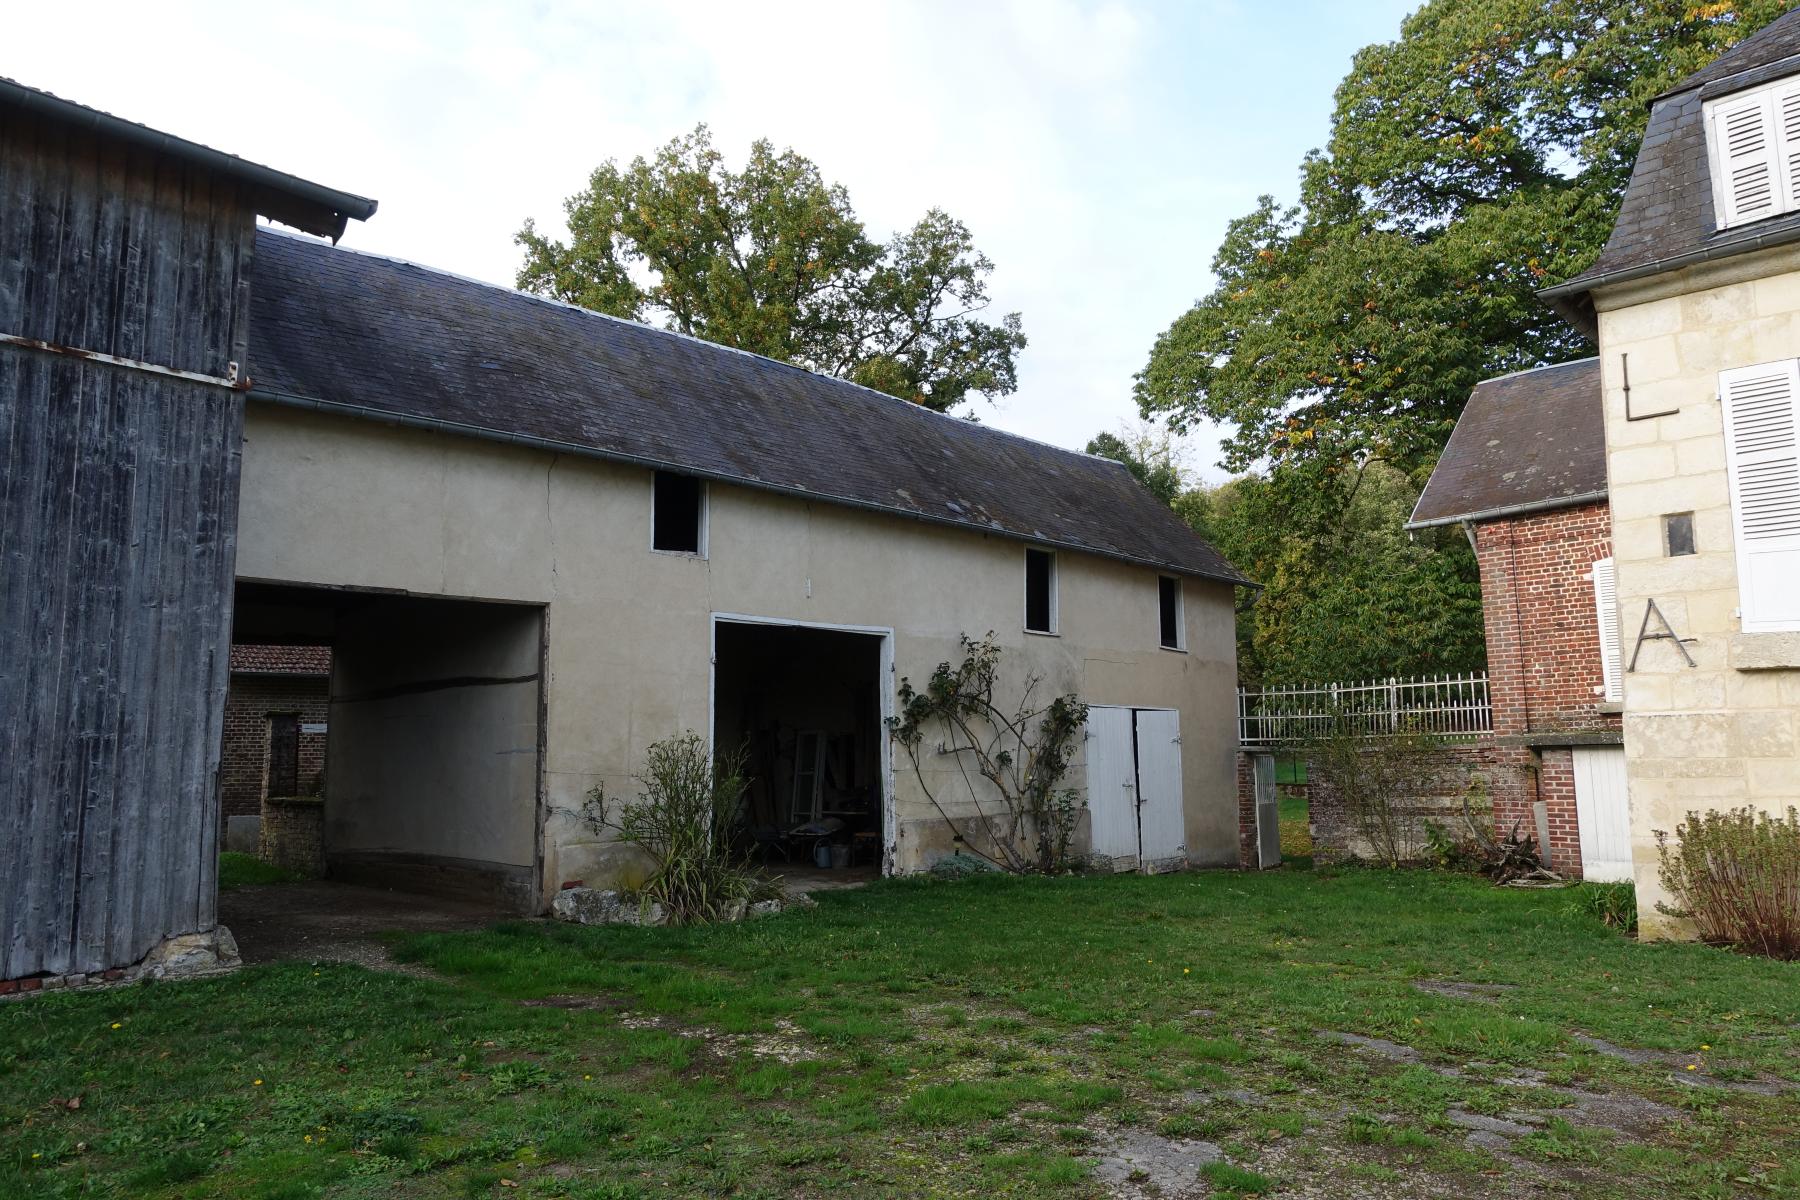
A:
(1096, 150)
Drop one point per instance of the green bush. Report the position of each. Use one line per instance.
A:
(686, 821)
(1736, 876)
(1612, 904)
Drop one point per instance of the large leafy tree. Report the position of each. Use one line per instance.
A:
(773, 259)
(1347, 594)
(1150, 453)
(1472, 162)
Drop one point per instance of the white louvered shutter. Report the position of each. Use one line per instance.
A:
(1606, 611)
(1787, 128)
(1748, 177)
(1762, 450)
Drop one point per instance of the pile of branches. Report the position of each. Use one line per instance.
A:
(1510, 859)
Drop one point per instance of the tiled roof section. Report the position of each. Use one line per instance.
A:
(354, 330)
(1667, 212)
(1529, 440)
(281, 660)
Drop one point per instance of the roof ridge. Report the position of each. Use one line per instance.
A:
(1573, 362)
(444, 272)
(1694, 83)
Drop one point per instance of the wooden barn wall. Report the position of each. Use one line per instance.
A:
(118, 515)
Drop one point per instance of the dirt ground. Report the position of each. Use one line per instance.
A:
(338, 922)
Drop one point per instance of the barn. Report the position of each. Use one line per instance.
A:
(124, 334)
(531, 541)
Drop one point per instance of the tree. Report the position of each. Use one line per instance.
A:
(1347, 593)
(1150, 453)
(773, 260)
(1477, 159)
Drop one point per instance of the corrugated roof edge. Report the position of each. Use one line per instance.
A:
(306, 205)
(885, 397)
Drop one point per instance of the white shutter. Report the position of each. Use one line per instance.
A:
(1606, 608)
(1787, 123)
(1748, 179)
(1762, 419)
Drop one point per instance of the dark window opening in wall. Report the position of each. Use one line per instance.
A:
(284, 754)
(677, 513)
(1168, 596)
(1040, 591)
(1678, 534)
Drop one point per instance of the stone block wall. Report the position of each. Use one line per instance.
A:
(1498, 780)
(1724, 732)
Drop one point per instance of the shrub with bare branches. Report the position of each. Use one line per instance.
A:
(1736, 876)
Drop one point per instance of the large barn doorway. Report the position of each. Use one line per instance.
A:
(806, 704)
(434, 743)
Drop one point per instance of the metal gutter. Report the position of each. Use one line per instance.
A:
(1509, 510)
(308, 206)
(455, 428)
(1743, 245)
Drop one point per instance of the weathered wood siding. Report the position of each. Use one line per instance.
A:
(118, 514)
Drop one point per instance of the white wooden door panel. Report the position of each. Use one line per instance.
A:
(1603, 810)
(1162, 831)
(1112, 788)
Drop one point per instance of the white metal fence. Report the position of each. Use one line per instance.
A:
(1454, 707)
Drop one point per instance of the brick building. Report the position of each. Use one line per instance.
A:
(1524, 475)
(275, 732)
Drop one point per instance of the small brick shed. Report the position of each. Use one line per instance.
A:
(276, 712)
(1524, 475)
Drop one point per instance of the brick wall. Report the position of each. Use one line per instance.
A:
(1556, 788)
(293, 834)
(1543, 639)
(1246, 800)
(244, 753)
(1496, 779)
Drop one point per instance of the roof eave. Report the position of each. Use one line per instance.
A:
(438, 425)
(1509, 510)
(310, 207)
(1575, 295)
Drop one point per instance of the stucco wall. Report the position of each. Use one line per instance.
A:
(335, 501)
(1723, 733)
(433, 750)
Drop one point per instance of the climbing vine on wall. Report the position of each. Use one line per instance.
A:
(1012, 759)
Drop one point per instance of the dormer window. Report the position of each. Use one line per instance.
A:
(1753, 141)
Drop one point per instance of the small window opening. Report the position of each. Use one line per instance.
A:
(1168, 595)
(1040, 591)
(676, 511)
(1678, 534)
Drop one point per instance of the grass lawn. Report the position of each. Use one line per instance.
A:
(244, 870)
(1296, 833)
(990, 1037)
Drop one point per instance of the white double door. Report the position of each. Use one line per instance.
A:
(1603, 813)
(1134, 788)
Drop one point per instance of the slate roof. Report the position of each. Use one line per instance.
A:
(1666, 218)
(1526, 442)
(372, 336)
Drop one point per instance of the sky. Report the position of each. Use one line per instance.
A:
(1095, 150)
